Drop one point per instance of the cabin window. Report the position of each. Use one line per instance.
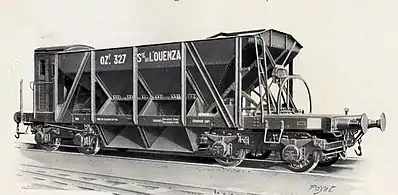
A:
(42, 67)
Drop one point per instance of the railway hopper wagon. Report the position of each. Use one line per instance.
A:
(207, 97)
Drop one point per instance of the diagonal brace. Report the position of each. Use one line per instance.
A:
(74, 85)
(210, 84)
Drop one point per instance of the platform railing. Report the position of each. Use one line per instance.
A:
(33, 86)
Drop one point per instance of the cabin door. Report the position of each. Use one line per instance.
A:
(44, 84)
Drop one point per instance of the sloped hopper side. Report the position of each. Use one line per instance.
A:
(280, 40)
(278, 44)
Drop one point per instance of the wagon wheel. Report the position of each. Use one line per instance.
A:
(259, 155)
(56, 142)
(306, 165)
(230, 162)
(326, 161)
(92, 149)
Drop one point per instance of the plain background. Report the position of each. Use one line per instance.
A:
(348, 59)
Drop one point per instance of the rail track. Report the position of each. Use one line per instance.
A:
(56, 178)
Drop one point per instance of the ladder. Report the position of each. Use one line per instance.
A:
(262, 75)
(263, 81)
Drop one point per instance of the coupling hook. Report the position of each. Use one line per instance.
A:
(359, 153)
(17, 132)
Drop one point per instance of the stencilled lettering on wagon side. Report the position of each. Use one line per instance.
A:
(114, 59)
(159, 56)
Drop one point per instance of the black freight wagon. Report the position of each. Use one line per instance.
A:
(208, 97)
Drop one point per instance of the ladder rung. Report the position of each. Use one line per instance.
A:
(248, 108)
(245, 69)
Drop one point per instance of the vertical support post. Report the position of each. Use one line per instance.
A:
(135, 86)
(46, 84)
(34, 100)
(21, 99)
(238, 82)
(290, 82)
(183, 85)
(56, 68)
(93, 81)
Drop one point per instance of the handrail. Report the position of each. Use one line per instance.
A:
(225, 34)
(31, 83)
(261, 74)
(259, 77)
(291, 77)
(266, 75)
